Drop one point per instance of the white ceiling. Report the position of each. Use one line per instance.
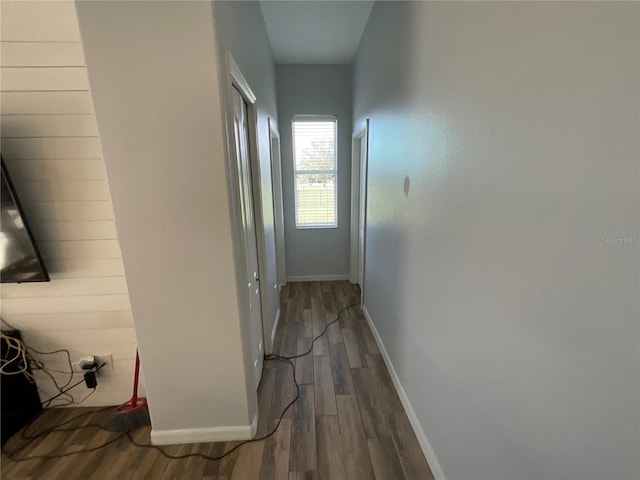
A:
(315, 31)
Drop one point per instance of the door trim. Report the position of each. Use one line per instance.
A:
(235, 79)
(356, 208)
(239, 81)
(278, 206)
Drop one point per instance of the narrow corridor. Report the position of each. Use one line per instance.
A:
(348, 422)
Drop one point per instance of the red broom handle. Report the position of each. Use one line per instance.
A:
(136, 376)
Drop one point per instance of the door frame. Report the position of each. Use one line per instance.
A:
(235, 79)
(278, 205)
(359, 174)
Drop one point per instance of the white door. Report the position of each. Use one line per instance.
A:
(363, 211)
(241, 127)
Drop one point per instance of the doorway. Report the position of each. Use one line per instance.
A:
(243, 163)
(243, 151)
(359, 172)
(278, 206)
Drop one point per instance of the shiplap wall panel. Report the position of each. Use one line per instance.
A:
(73, 321)
(123, 366)
(110, 390)
(62, 169)
(78, 338)
(58, 231)
(67, 287)
(33, 103)
(107, 380)
(68, 211)
(48, 126)
(85, 268)
(78, 303)
(27, 21)
(50, 144)
(44, 78)
(120, 351)
(64, 191)
(80, 250)
(43, 148)
(41, 54)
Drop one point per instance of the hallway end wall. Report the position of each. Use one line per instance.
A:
(319, 253)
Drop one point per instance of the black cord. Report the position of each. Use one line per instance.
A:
(41, 366)
(273, 356)
(53, 352)
(65, 390)
(60, 390)
(48, 402)
(32, 438)
(134, 442)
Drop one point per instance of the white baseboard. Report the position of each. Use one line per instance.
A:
(429, 454)
(318, 278)
(204, 435)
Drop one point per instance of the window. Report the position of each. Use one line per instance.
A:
(315, 171)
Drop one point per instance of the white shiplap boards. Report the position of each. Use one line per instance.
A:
(52, 151)
(41, 54)
(15, 103)
(39, 22)
(28, 126)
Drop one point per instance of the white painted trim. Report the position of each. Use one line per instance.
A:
(256, 190)
(314, 118)
(336, 201)
(358, 134)
(274, 330)
(318, 278)
(278, 207)
(204, 435)
(235, 78)
(429, 454)
(239, 80)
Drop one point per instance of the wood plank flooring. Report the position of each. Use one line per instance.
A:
(347, 424)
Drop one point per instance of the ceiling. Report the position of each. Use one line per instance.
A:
(314, 31)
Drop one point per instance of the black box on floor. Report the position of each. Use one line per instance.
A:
(19, 400)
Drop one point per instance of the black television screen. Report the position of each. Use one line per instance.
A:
(20, 260)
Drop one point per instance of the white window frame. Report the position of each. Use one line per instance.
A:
(296, 172)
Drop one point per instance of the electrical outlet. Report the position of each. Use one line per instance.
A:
(105, 358)
(99, 359)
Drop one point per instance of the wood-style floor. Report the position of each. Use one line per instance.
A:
(347, 424)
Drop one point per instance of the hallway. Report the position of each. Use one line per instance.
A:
(347, 424)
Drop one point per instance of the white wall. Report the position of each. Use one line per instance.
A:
(52, 150)
(512, 324)
(316, 90)
(240, 29)
(153, 68)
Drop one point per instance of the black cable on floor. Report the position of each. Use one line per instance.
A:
(326, 327)
(31, 439)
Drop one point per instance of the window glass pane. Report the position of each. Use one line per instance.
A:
(315, 172)
(315, 199)
(315, 145)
